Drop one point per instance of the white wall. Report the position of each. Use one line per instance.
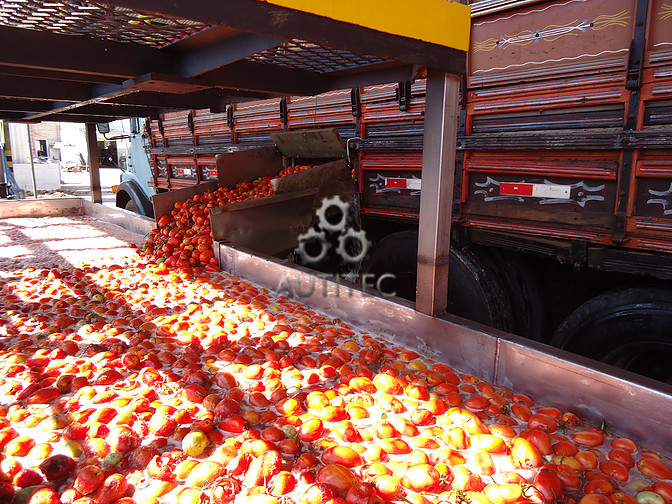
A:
(47, 176)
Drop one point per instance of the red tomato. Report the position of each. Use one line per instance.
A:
(386, 384)
(524, 454)
(595, 498)
(664, 489)
(622, 498)
(477, 403)
(386, 486)
(384, 429)
(113, 488)
(343, 455)
(262, 468)
(600, 486)
(566, 448)
(543, 422)
(489, 443)
(654, 468)
(420, 478)
(549, 484)
(503, 493)
(317, 493)
(626, 444)
(337, 477)
(541, 441)
(363, 493)
(225, 490)
(395, 446)
(468, 420)
(590, 438)
(622, 456)
(521, 411)
(484, 464)
(311, 430)
(456, 438)
(587, 459)
(89, 479)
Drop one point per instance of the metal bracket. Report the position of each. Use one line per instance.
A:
(229, 116)
(355, 102)
(190, 122)
(283, 110)
(403, 93)
(637, 48)
(635, 66)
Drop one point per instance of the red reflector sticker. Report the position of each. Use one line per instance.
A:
(413, 184)
(535, 190)
(396, 182)
(507, 188)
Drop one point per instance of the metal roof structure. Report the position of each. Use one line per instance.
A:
(97, 61)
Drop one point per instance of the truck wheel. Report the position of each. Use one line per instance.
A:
(628, 328)
(475, 291)
(131, 206)
(526, 296)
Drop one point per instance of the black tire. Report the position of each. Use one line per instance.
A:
(628, 328)
(526, 296)
(131, 206)
(474, 290)
(396, 253)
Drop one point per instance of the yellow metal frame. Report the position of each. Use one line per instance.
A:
(436, 21)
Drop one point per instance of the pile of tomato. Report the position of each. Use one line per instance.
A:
(142, 383)
(183, 238)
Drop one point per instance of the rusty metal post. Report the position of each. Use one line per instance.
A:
(32, 161)
(438, 174)
(94, 163)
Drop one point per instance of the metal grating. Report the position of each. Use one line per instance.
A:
(96, 20)
(300, 54)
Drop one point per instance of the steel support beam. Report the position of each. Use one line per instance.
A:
(50, 51)
(94, 163)
(436, 200)
(261, 17)
(223, 53)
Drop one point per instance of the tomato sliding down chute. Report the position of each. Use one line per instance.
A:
(183, 238)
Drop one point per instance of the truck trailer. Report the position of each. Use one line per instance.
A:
(562, 227)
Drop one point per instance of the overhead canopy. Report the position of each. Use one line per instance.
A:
(105, 60)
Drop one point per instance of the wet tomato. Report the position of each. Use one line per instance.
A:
(549, 484)
(524, 454)
(342, 455)
(503, 493)
(420, 478)
(337, 477)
